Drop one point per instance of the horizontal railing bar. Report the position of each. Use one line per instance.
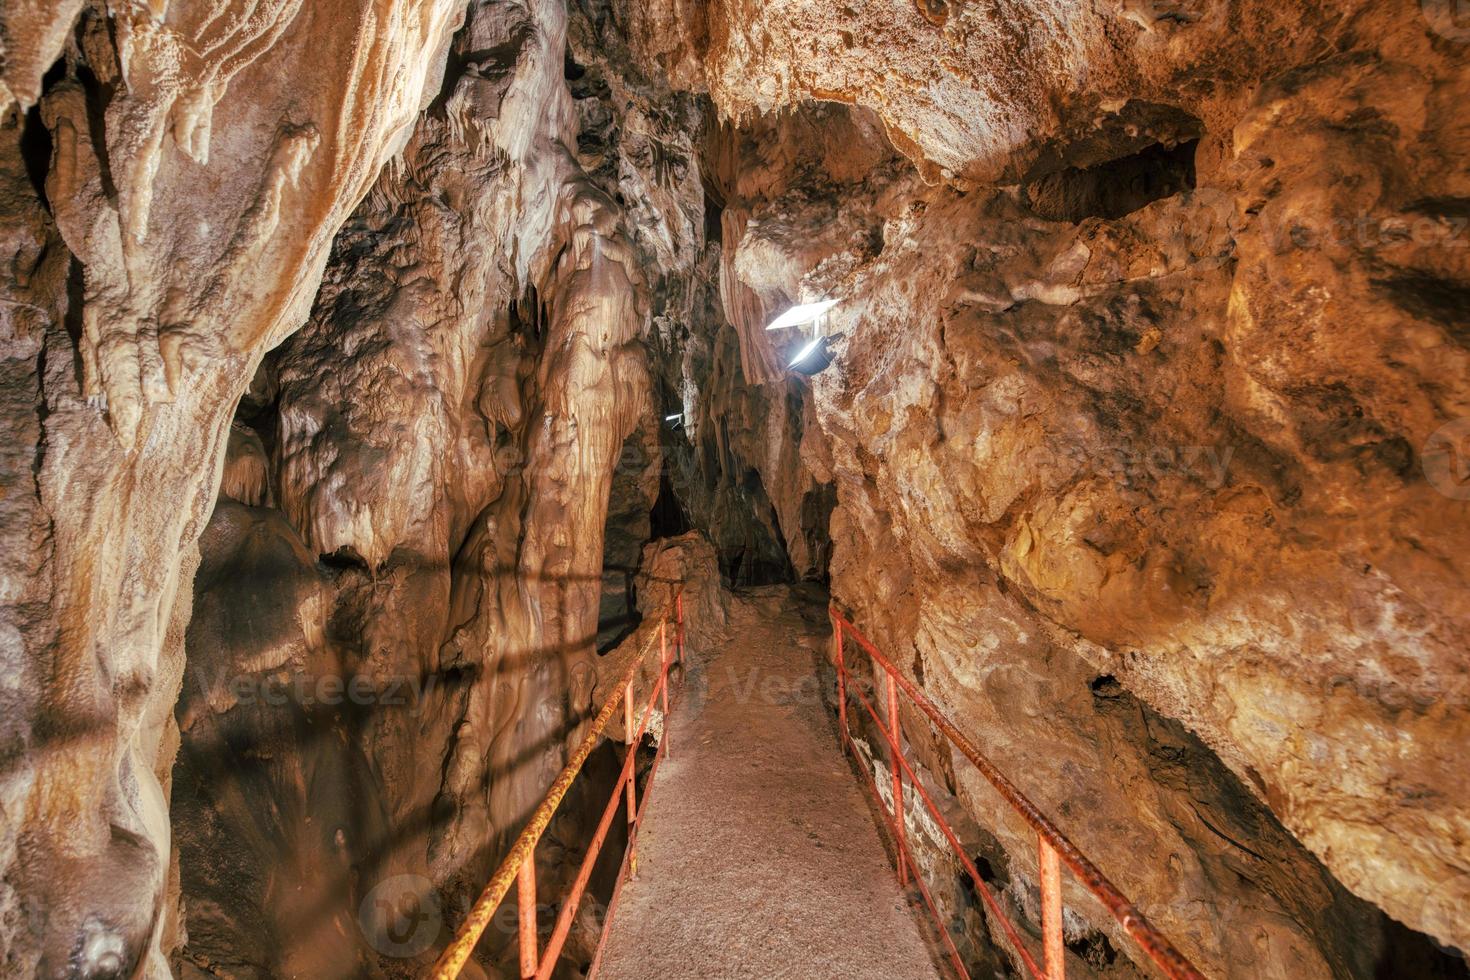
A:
(612, 905)
(901, 848)
(991, 902)
(969, 865)
(455, 955)
(1133, 921)
(563, 927)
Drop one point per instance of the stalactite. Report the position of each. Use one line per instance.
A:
(353, 352)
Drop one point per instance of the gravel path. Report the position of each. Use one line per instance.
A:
(758, 856)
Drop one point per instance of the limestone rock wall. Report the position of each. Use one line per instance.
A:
(445, 433)
(337, 338)
(185, 172)
(442, 448)
(1143, 389)
(1176, 480)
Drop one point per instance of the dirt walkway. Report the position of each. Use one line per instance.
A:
(759, 856)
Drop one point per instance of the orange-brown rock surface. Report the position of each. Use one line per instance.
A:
(192, 162)
(1154, 413)
(368, 344)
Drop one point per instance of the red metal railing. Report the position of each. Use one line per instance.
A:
(519, 865)
(1053, 848)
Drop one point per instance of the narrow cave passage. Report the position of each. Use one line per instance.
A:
(758, 852)
(1052, 416)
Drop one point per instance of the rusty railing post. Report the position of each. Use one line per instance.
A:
(526, 899)
(841, 685)
(1051, 910)
(663, 660)
(632, 795)
(896, 738)
(518, 869)
(1054, 849)
(679, 638)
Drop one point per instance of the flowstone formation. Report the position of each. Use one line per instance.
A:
(1135, 393)
(445, 435)
(359, 361)
(178, 172)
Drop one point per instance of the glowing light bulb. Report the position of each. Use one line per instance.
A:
(805, 313)
(805, 352)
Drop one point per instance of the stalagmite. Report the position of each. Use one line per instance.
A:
(375, 374)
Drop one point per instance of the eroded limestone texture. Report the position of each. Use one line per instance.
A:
(193, 161)
(446, 431)
(1172, 441)
(371, 344)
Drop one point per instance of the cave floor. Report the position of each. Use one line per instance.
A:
(758, 856)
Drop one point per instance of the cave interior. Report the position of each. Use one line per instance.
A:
(382, 377)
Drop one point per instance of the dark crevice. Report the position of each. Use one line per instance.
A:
(1116, 188)
(98, 98)
(667, 519)
(75, 290)
(1093, 949)
(35, 138)
(345, 558)
(35, 152)
(816, 523)
(1433, 299)
(751, 566)
(572, 71)
(714, 210)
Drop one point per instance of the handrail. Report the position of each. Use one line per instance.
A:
(1053, 846)
(519, 865)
